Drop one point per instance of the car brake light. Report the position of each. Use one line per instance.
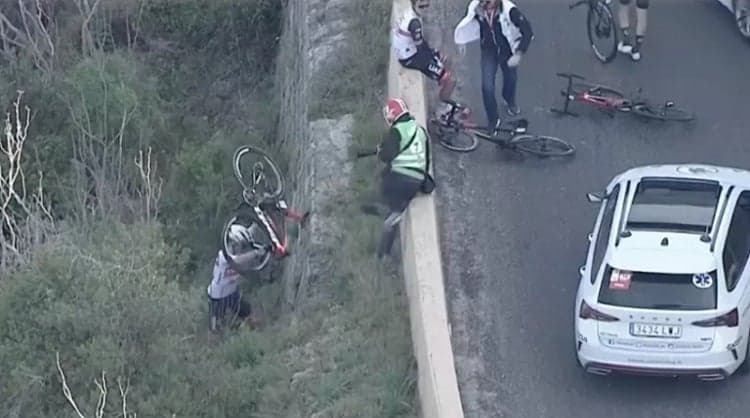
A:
(587, 312)
(729, 319)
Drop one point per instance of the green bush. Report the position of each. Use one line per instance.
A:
(199, 197)
(107, 301)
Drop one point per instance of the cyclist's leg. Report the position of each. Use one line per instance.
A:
(441, 72)
(398, 191)
(247, 314)
(641, 10)
(429, 63)
(218, 309)
(623, 14)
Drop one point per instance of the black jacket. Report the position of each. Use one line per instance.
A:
(490, 43)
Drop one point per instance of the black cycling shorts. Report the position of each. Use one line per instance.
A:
(426, 61)
(232, 305)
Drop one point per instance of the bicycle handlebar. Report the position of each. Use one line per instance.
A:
(570, 75)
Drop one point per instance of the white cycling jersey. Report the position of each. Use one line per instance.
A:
(402, 39)
(225, 279)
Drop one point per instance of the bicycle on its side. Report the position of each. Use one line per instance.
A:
(600, 23)
(461, 135)
(263, 211)
(610, 100)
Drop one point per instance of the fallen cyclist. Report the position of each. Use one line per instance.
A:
(405, 151)
(415, 53)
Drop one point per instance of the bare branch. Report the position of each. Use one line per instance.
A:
(124, 396)
(102, 402)
(150, 191)
(66, 389)
(24, 217)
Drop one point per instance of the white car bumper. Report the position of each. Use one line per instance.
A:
(717, 363)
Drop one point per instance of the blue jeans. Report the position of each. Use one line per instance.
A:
(490, 62)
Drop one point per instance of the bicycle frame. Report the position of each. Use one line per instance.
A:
(602, 102)
(276, 233)
(482, 131)
(608, 103)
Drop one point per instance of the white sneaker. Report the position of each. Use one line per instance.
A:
(624, 48)
(635, 54)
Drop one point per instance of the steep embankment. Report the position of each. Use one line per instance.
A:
(345, 347)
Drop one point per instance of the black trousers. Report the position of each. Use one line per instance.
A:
(398, 190)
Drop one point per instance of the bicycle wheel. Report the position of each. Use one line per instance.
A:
(601, 27)
(662, 113)
(543, 146)
(258, 172)
(454, 138)
(252, 255)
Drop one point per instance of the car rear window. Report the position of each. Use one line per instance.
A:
(635, 289)
(674, 204)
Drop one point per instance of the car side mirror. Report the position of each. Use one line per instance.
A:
(595, 197)
(582, 270)
(591, 236)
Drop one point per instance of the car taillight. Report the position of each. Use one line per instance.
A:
(587, 312)
(729, 319)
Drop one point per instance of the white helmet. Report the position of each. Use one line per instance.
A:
(238, 234)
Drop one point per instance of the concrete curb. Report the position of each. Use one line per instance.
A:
(437, 382)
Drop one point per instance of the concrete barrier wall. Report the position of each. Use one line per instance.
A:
(437, 382)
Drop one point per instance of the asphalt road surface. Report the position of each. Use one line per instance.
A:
(514, 230)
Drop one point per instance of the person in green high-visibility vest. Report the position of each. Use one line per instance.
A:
(406, 153)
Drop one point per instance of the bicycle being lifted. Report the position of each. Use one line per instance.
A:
(459, 134)
(256, 233)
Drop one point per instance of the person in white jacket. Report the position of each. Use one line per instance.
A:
(505, 35)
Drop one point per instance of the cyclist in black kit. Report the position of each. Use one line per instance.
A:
(415, 53)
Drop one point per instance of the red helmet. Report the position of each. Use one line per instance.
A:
(394, 109)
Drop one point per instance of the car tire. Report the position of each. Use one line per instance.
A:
(740, 8)
(744, 368)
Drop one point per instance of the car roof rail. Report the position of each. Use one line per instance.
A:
(621, 231)
(720, 216)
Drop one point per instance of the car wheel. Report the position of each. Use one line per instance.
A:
(744, 368)
(742, 17)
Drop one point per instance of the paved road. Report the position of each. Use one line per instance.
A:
(514, 232)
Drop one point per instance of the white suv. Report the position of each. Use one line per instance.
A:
(665, 288)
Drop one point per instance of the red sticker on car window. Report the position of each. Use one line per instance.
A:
(620, 280)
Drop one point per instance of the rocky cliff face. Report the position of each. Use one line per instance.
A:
(313, 32)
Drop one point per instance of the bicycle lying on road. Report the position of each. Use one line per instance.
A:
(262, 213)
(610, 100)
(460, 135)
(601, 26)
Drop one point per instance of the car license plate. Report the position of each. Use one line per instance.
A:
(655, 330)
